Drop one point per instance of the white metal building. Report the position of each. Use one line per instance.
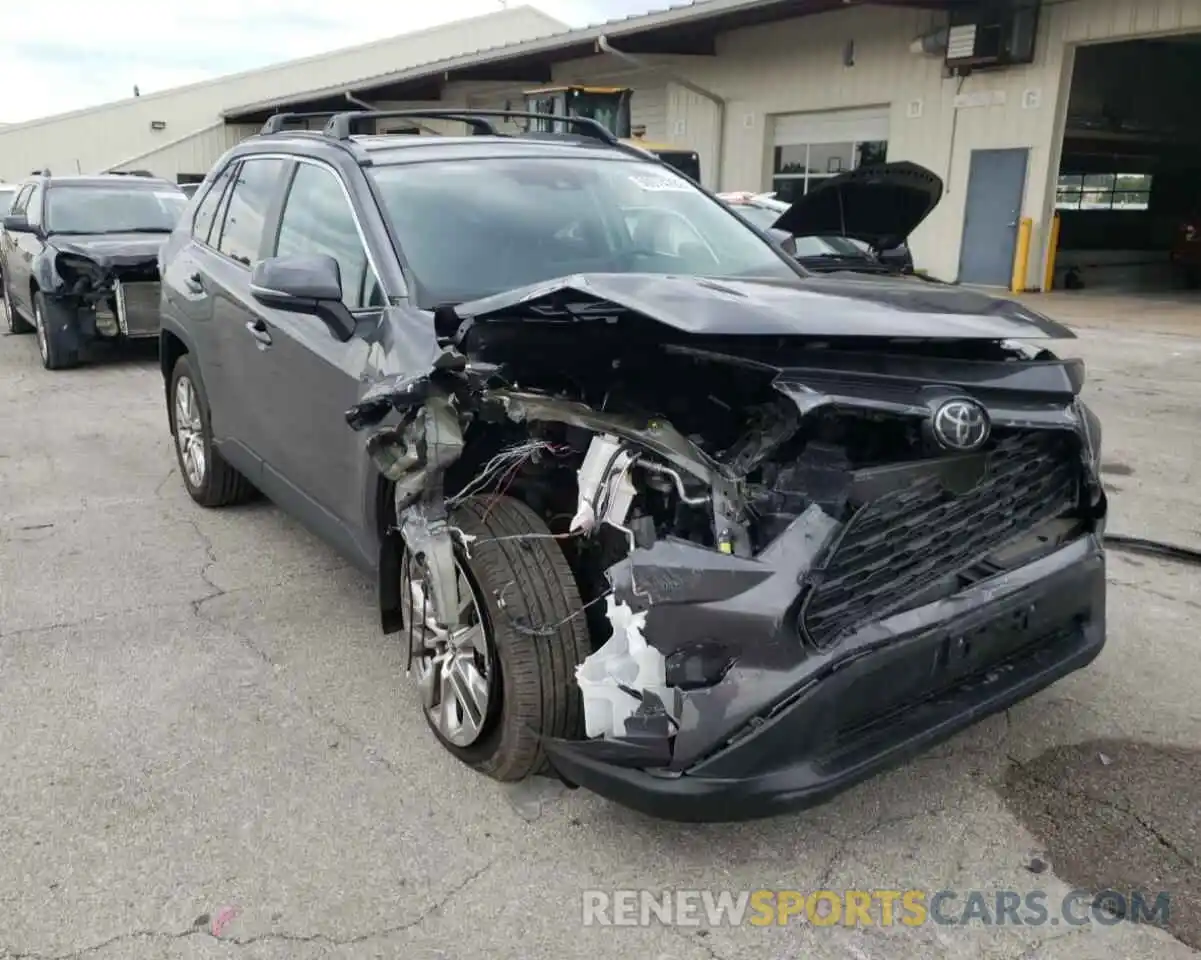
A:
(185, 130)
(775, 94)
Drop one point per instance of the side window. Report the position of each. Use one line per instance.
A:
(206, 210)
(34, 210)
(317, 218)
(21, 204)
(246, 213)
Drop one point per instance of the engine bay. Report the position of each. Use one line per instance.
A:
(650, 457)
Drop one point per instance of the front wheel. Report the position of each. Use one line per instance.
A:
(55, 340)
(492, 687)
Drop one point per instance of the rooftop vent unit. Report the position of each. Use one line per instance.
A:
(991, 34)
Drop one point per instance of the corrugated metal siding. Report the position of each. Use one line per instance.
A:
(648, 108)
(797, 66)
(692, 121)
(196, 154)
(91, 140)
(1100, 20)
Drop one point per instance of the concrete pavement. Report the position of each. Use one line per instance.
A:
(207, 749)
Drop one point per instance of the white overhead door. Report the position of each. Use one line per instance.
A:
(812, 146)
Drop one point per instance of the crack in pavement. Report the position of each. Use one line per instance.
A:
(347, 732)
(1151, 591)
(276, 937)
(844, 842)
(1031, 952)
(158, 489)
(94, 618)
(247, 641)
(1150, 828)
(210, 559)
(8, 954)
(701, 942)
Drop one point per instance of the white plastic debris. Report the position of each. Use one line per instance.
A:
(603, 484)
(625, 660)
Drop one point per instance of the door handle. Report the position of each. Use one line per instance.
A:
(259, 331)
(195, 282)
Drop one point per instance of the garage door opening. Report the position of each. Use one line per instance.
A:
(1129, 186)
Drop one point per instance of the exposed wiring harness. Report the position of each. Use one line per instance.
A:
(505, 464)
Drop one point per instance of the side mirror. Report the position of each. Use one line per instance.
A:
(17, 224)
(784, 240)
(305, 284)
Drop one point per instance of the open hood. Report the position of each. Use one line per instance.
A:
(880, 204)
(810, 307)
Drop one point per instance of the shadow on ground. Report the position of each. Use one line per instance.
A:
(1119, 816)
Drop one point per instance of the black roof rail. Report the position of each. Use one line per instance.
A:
(340, 124)
(275, 122)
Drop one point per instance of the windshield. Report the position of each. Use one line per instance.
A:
(7, 194)
(764, 217)
(112, 209)
(472, 228)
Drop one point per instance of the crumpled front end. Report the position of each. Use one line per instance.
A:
(108, 295)
(802, 559)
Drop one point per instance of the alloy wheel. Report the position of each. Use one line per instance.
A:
(452, 665)
(189, 432)
(8, 308)
(39, 326)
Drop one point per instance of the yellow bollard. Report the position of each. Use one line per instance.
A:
(1021, 257)
(1052, 253)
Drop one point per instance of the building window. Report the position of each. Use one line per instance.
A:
(798, 167)
(1103, 191)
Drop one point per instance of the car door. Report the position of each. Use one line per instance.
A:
(187, 294)
(236, 242)
(16, 266)
(307, 377)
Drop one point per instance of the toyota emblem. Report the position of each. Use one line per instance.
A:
(961, 425)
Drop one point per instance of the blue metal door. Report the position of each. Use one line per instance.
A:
(996, 182)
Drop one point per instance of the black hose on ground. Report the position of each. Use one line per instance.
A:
(1153, 548)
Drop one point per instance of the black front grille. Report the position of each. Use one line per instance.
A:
(896, 546)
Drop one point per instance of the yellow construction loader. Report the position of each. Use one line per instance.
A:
(609, 106)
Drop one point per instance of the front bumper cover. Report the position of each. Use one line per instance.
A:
(942, 668)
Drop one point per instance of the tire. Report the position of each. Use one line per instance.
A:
(50, 325)
(217, 484)
(532, 671)
(16, 322)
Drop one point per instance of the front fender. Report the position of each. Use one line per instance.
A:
(44, 274)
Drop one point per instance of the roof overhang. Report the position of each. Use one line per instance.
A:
(690, 30)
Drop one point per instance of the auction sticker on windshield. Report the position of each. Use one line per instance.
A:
(661, 184)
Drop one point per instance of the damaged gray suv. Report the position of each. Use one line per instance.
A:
(649, 506)
(79, 260)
